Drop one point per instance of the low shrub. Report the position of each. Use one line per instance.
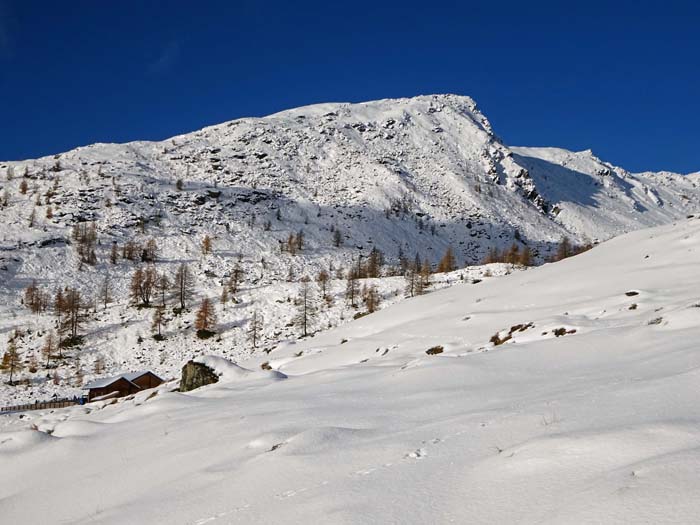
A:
(72, 341)
(563, 331)
(497, 340)
(205, 334)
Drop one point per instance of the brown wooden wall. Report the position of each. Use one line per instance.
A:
(148, 380)
(121, 385)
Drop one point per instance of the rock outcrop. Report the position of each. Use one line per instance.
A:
(195, 375)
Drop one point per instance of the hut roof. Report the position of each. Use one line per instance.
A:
(106, 381)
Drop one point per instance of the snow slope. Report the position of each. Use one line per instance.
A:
(587, 414)
(408, 176)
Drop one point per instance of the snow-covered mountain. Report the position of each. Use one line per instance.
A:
(408, 176)
(413, 174)
(563, 394)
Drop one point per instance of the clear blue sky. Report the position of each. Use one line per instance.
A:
(621, 78)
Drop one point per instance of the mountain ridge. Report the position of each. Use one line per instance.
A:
(471, 155)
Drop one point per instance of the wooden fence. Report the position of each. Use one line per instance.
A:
(59, 403)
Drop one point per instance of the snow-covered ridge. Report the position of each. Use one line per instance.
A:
(436, 156)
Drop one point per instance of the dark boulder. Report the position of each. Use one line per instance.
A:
(195, 375)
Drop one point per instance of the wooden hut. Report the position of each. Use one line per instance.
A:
(122, 385)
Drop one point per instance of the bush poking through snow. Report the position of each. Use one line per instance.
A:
(70, 342)
(205, 334)
(520, 328)
(497, 340)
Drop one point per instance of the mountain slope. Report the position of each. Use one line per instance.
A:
(409, 177)
(383, 171)
(587, 413)
(595, 198)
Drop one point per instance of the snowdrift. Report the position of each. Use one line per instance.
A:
(564, 394)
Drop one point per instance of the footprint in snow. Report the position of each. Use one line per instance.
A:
(417, 454)
(290, 493)
(220, 515)
(210, 519)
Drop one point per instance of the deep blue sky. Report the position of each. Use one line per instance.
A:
(621, 78)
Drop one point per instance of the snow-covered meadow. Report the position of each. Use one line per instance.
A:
(586, 412)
